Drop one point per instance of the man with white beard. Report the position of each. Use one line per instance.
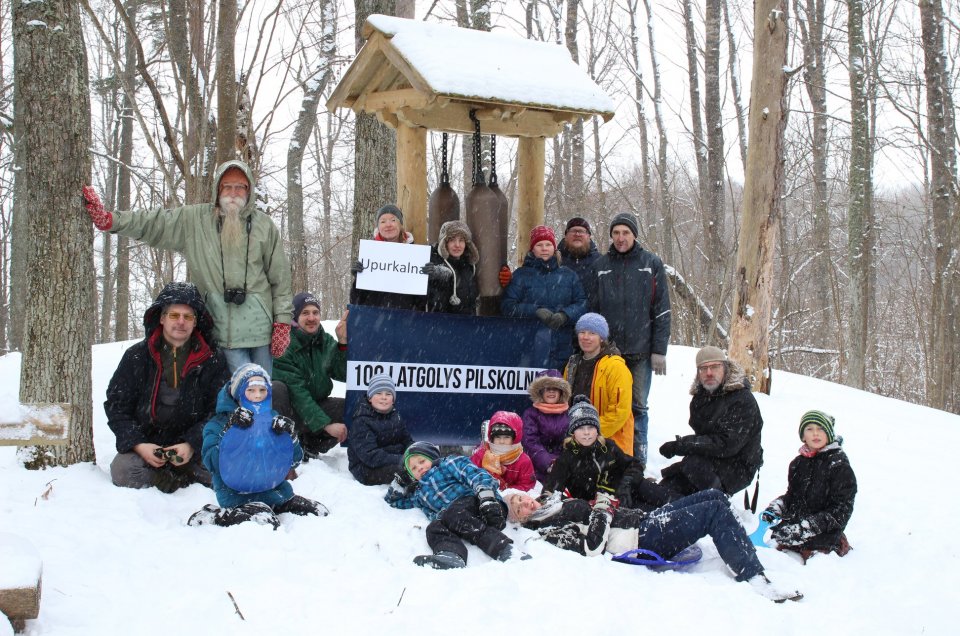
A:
(234, 256)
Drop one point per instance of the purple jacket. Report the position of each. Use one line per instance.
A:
(543, 436)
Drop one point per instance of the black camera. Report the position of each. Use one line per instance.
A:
(235, 296)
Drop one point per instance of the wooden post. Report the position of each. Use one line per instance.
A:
(531, 156)
(412, 180)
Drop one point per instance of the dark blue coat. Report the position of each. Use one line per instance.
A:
(547, 284)
(579, 264)
(376, 440)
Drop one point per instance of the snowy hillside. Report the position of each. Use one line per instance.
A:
(119, 561)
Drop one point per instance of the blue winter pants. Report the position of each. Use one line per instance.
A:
(642, 373)
(671, 528)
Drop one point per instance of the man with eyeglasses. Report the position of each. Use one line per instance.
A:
(577, 249)
(234, 255)
(163, 392)
(724, 451)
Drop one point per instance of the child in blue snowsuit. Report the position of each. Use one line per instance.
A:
(248, 392)
(461, 501)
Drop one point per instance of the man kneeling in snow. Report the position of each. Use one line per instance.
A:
(163, 392)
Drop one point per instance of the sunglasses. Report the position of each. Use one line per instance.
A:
(176, 315)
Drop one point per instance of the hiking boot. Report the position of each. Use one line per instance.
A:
(440, 561)
(509, 554)
(205, 516)
(168, 479)
(252, 511)
(762, 586)
(302, 506)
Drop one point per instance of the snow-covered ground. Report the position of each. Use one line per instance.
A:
(118, 561)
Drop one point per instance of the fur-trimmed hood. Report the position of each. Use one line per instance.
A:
(451, 229)
(734, 379)
(544, 382)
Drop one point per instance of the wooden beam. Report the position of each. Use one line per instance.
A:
(455, 117)
(531, 159)
(412, 180)
(396, 100)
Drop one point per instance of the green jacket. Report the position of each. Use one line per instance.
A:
(308, 367)
(193, 231)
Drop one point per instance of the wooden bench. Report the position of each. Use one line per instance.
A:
(21, 570)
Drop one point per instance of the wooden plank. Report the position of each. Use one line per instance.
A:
(455, 117)
(39, 424)
(396, 100)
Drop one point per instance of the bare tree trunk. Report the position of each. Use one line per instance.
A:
(313, 89)
(663, 170)
(226, 81)
(53, 121)
(653, 229)
(713, 205)
(696, 121)
(762, 193)
(124, 176)
(375, 148)
(859, 248)
(575, 184)
(941, 129)
(734, 65)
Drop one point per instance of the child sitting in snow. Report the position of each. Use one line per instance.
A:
(501, 454)
(821, 488)
(248, 391)
(545, 423)
(461, 502)
(377, 436)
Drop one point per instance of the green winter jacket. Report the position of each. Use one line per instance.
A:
(308, 367)
(193, 231)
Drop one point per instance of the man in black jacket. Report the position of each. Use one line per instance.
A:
(163, 392)
(724, 451)
(628, 287)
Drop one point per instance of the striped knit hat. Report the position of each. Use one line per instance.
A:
(381, 382)
(821, 419)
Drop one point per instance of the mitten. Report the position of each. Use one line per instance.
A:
(658, 363)
(102, 219)
(429, 269)
(357, 267)
(241, 418)
(671, 449)
(402, 483)
(544, 315)
(280, 339)
(794, 533)
(557, 320)
(505, 276)
(283, 424)
(624, 494)
(491, 511)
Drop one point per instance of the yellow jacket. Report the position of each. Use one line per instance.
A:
(611, 393)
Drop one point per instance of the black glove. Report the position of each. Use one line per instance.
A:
(241, 418)
(283, 424)
(671, 449)
(491, 511)
(544, 315)
(557, 320)
(624, 494)
(357, 267)
(402, 482)
(428, 269)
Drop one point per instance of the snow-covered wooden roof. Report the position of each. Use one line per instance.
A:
(431, 75)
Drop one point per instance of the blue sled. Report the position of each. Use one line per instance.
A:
(680, 561)
(757, 537)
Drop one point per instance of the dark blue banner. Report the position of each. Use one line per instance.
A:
(452, 372)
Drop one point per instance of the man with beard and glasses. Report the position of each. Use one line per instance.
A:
(578, 249)
(234, 256)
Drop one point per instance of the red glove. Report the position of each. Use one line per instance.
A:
(102, 219)
(280, 339)
(505, 276)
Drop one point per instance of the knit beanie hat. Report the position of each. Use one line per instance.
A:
(577, 221)
(389, 209)
(504, 423)
(595, 323)
(542, 233)
(423, 449)
(821, 419)
(582, 413)
(625, 218)
(710, 354)
(300, 301)
(238, 382)
(381, 382)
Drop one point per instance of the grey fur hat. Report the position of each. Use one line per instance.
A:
(449, 230)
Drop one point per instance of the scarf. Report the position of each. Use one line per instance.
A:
(551, 409)
(500, 455)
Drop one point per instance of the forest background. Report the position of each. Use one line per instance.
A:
(865, 259)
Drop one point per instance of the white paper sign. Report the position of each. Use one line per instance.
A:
(393, 267)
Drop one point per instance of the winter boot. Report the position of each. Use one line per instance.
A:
(440, 561)
(251, 511)
(762, 585)
(509, 554)
(205, 516)
(302, 506)
(168, 479)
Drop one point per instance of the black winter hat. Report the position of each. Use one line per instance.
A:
(179, 293)
(389, 209)
(423, 449)
(582, 413)
(625, 218)
(578, 221)
(300, 301)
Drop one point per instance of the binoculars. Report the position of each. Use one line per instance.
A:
(168, 454)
